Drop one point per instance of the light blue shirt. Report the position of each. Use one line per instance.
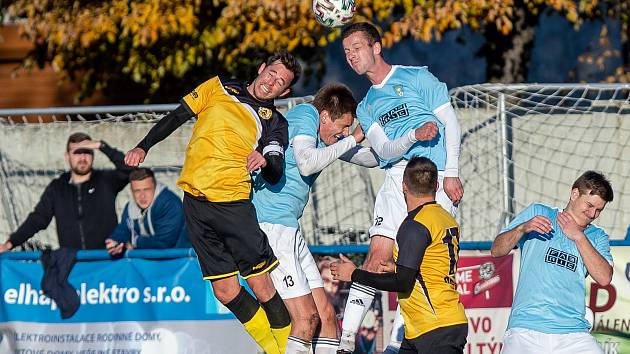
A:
(405, 100)
(284, 202)
(550, 295)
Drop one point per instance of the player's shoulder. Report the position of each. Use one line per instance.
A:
(542, 209)
(232, 86)
(301, 112)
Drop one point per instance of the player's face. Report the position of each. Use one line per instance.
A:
(360, 55)
(585, 208)
(273, 80)
(143, 192)
(80, 159)
(330, 131)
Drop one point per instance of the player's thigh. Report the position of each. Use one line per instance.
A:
(576, 343)
(389, 208)
(288, 277)
(237, 224)
(381, 249)
(214, 258)
(523, 341)
(443, 199)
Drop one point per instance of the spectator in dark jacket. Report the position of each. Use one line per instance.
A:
(81, 200)
(154, 219)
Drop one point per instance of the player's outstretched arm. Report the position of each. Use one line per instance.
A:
(165, 127)
(506, 241)
(310, 159)
(387, 149)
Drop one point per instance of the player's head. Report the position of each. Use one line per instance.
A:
(337, 109)
(79, 159)
(420, 178)
(142, 183)
(362, 46)
(276, 76)
(589, 195)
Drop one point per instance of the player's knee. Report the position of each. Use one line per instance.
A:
(225, 292)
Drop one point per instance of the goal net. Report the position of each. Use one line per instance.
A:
(520, 144)
(527, 143)
(32, 146)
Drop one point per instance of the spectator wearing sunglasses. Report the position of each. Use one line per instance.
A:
(81, 200)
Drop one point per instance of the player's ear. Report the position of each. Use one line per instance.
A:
(405, 189)
(261, 68)
(377, 48)
(66, 156)
(575, 193)
(324, 117)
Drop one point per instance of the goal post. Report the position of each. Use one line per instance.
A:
(527, 143)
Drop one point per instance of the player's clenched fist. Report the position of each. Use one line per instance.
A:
(135, 157)
(426, 132)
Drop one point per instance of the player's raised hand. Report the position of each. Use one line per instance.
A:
(342, 269)
(426, 132)
(358, 134)
(568, 225)
(255, 160)
(135, 157)
(454, 189)
(538, 223)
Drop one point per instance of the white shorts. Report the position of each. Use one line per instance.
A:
(390, 209)
(527, 341)
(297, 272)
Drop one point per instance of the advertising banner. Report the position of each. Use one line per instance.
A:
(132, 305)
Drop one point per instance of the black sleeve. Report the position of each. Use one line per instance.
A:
(272, 147)
(166, 126)
(401, 281)
(413, 238)
(37, 220)
(120, 176)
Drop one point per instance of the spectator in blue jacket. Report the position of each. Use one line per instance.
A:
(154, 219)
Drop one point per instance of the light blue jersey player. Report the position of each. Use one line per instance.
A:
(559, 248)
(407, 98)
(405, 113)
(316, 139)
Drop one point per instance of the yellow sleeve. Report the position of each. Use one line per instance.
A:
(200, 98)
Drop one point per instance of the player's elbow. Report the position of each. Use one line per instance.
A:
(606, 278)
(497, 251)
(305, 167)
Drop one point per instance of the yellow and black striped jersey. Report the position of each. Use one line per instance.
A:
(230, 124)
(428, 240)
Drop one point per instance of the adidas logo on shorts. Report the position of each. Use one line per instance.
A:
(358, 302)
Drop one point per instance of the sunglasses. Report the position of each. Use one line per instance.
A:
(83, 151)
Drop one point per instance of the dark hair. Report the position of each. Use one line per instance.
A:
(76, 138)
(140, 174)
(594, 183)
(289, 61)
(336, 99)
(420, 176)
(371, 33)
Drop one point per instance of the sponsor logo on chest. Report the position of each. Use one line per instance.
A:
(394, 113)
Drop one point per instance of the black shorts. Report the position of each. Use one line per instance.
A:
(443, 340)
(227, 238)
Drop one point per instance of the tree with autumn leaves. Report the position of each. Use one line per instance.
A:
(158, 48)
